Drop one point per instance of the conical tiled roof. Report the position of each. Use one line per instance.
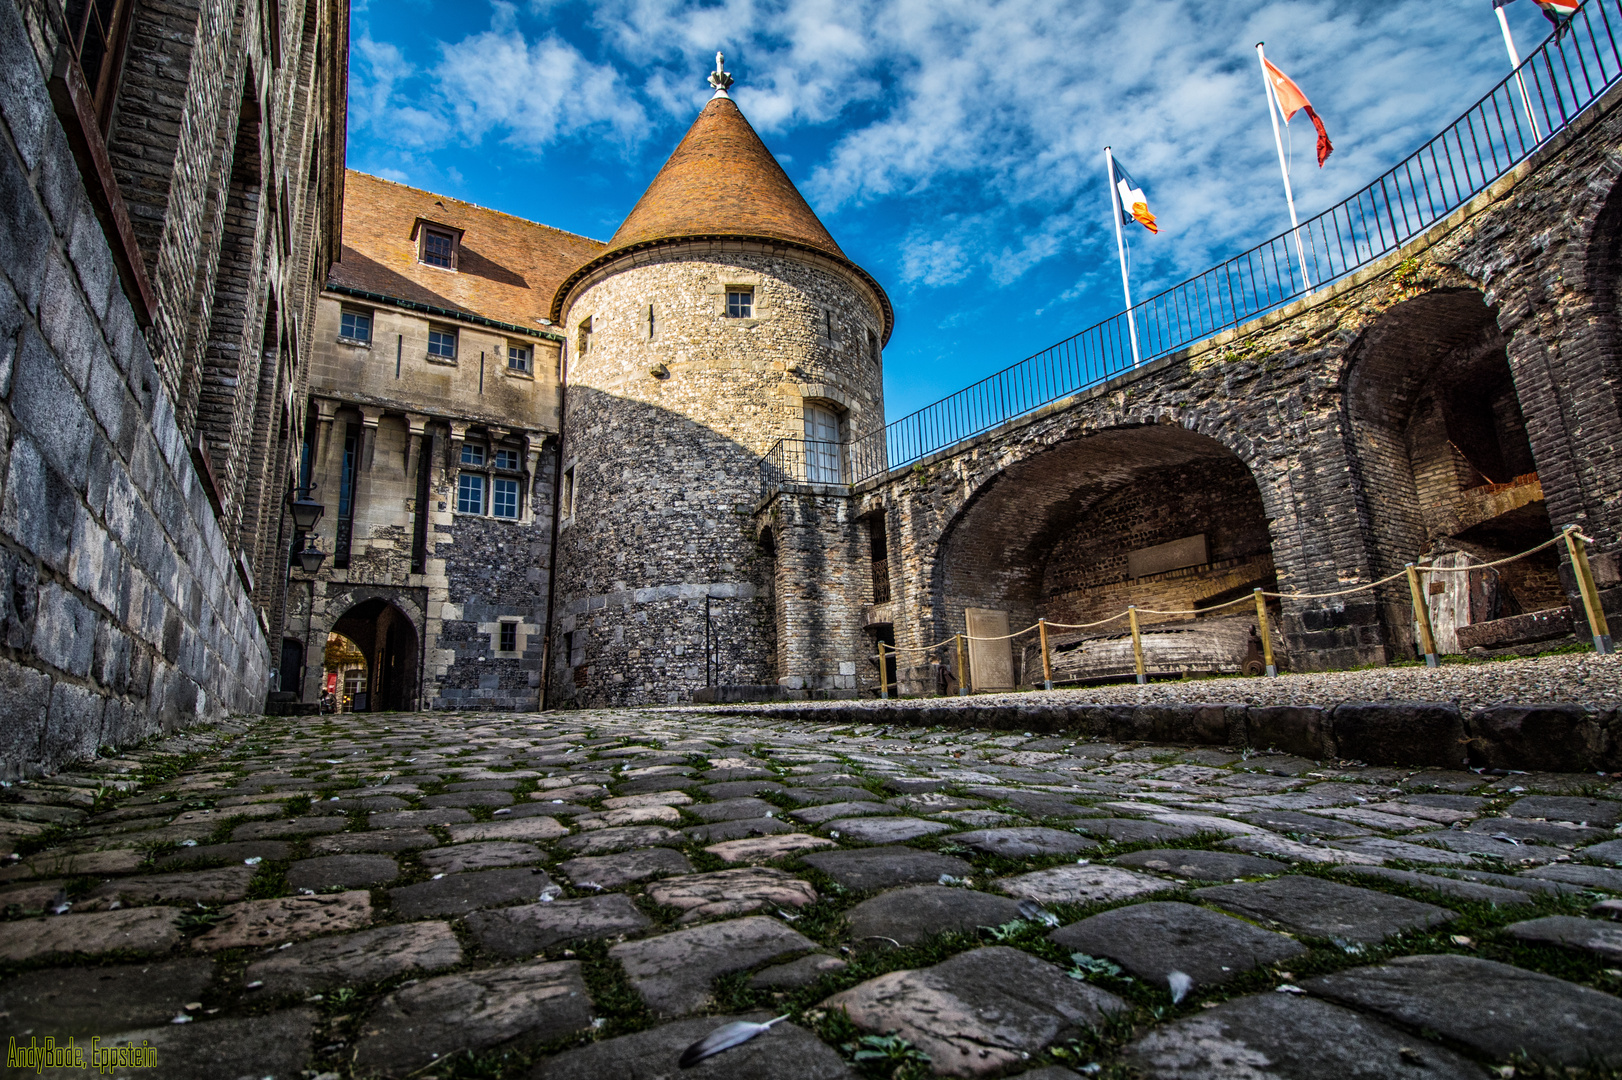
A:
(721, 183)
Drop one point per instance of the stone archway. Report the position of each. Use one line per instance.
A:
(1157, 515)
(389, 642)
(1441, 457)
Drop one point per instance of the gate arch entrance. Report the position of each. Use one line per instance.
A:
(387, 639)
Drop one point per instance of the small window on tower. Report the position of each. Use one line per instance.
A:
(873, 346)
(740, 302)
(520, 358)
(583, 338)
(653, 322)
(566, 496)
(509, 637)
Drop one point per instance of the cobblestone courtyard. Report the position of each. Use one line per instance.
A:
(584, 895)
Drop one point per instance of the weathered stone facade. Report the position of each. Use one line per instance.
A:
(668, 411)
(399, 424)
(163, 222)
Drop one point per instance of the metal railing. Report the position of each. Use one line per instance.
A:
(814, 461)
(1566, 74)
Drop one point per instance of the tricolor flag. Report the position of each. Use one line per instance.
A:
(1558, 12)
(1134, 203)
(1291, 101)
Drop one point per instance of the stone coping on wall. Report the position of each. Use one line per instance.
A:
(1547, 737)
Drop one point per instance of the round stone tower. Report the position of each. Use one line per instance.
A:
(721, 319)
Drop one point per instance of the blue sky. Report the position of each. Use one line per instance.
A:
(954, 149)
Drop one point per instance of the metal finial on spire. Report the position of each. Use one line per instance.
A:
(720, 79)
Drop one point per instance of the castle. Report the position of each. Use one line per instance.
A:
(459, 348)
(252, 403)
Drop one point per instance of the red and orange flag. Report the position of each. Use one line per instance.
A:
(1291, 100)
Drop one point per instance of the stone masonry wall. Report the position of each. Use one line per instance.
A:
(663, 428)
(823, 586)
(121, 613)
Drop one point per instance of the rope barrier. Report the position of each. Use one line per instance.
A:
(1245, 599)
(1250, 599)
(1500, 562)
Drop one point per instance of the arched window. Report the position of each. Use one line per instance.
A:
(824, 454)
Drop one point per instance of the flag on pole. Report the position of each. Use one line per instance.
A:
(1291, 101)
(1558, 12)
(1134, 203)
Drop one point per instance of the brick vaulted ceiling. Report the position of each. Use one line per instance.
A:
(721, 183)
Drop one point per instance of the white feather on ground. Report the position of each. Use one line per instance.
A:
(722, 1038)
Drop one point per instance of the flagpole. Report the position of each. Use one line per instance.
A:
(1283, 165)
(1515, 65)
(1120, 250)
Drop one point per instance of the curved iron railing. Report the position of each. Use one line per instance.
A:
(1566, 74)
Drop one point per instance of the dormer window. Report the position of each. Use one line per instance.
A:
(437, 245)
(438, 248)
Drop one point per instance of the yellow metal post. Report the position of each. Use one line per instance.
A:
(1597, 624)
(1137, 644)
(1267, 637)
(1047, 666)
(1422, 615)
(962, 671)
(884, 674)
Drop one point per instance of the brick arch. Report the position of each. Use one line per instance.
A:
(1038, 501)
(1437, 442)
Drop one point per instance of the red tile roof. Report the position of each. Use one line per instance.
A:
(722, 180)
(507, 268)
(720, 183)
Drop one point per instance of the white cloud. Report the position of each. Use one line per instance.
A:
(498, 82)
(531, 91)
(980, 121)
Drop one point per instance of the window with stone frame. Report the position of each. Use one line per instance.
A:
(470, 493)
(504, 497)
(740, 302)
(507, 640)
(355, 324)
(583, 337)
(520, 358)
(566, 494)
(441, 343)
(481, 486)
(824, 444)
(507, 492)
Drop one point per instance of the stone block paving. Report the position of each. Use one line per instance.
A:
(587, 894)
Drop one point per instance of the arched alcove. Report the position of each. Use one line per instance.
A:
(1158, 516)
(1440, 449)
